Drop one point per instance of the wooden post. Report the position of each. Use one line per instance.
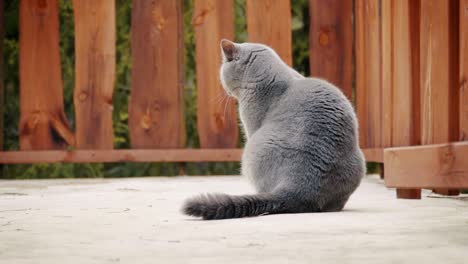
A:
(43, 124)
(213, 20)
(400, 64)
(331, 46)
(439, 74)
(156, 100)
(269, 22)
(95, 73)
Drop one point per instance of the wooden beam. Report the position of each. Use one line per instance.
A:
(269, 22)
(331, 51)
(430, 166)
(121, 155)
(95, 73)
(213, 20)
(43, 124)
(139, 155)
(156, 98)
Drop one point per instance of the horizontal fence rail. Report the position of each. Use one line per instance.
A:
(406, 60)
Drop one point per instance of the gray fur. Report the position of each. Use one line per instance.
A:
(302, 152)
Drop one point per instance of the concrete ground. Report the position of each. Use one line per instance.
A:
(138, 221)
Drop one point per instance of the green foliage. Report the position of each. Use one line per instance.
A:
(300, 28)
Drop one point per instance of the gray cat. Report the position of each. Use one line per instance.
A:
(302, 150)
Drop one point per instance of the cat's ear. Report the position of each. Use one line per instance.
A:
(229, 49)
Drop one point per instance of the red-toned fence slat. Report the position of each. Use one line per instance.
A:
(368, 73)
(43, 124)
(463, 135)
(213, 20)
(156, 100)
(269, 22)
(95, 73)
(439, 73)
(400, 66)
(331, 45)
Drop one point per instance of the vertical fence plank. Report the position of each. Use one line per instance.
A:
(439, 74)
(2, 77)
(331, 48)
(216, 118)
(43, 124)
(387, 64)
(463, 70)
(368, 73)
(405, 123)
(269, 22)
(400, 65)
(95, 73)
(156, 100)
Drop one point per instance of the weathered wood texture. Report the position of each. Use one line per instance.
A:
(400, 78)
(269, 22)
(373, 154)
(405, 71)
(121, 155)
(368, 73)
(43, 124)
(331, 48)
(2, 76)
(439, 73)
(463, 135)
(156, 100)
(431, 166)
(95, 73)
(213, 20)
(386, 69)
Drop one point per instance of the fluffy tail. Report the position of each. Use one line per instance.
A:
(223, 206)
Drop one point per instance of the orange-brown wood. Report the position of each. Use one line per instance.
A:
(95, 73)
(121, 155)
(439, 73)
(331, 48)
(213, 20)
(2, 89)
(43, 124)
(269, 22)
(373, 154)
(156, 100)
(387, 69)
(405, 69)
(368, 73)
(463, 135)
(408, 193)
(430, 166)
(400, 81)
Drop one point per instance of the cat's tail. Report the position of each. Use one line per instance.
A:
(223, 206)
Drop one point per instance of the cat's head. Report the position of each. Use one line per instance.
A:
(245, 65)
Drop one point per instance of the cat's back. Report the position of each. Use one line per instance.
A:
(312, 97)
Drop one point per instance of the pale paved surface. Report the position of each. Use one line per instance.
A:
(138, 221)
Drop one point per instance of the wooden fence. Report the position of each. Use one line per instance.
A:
(406, 59)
